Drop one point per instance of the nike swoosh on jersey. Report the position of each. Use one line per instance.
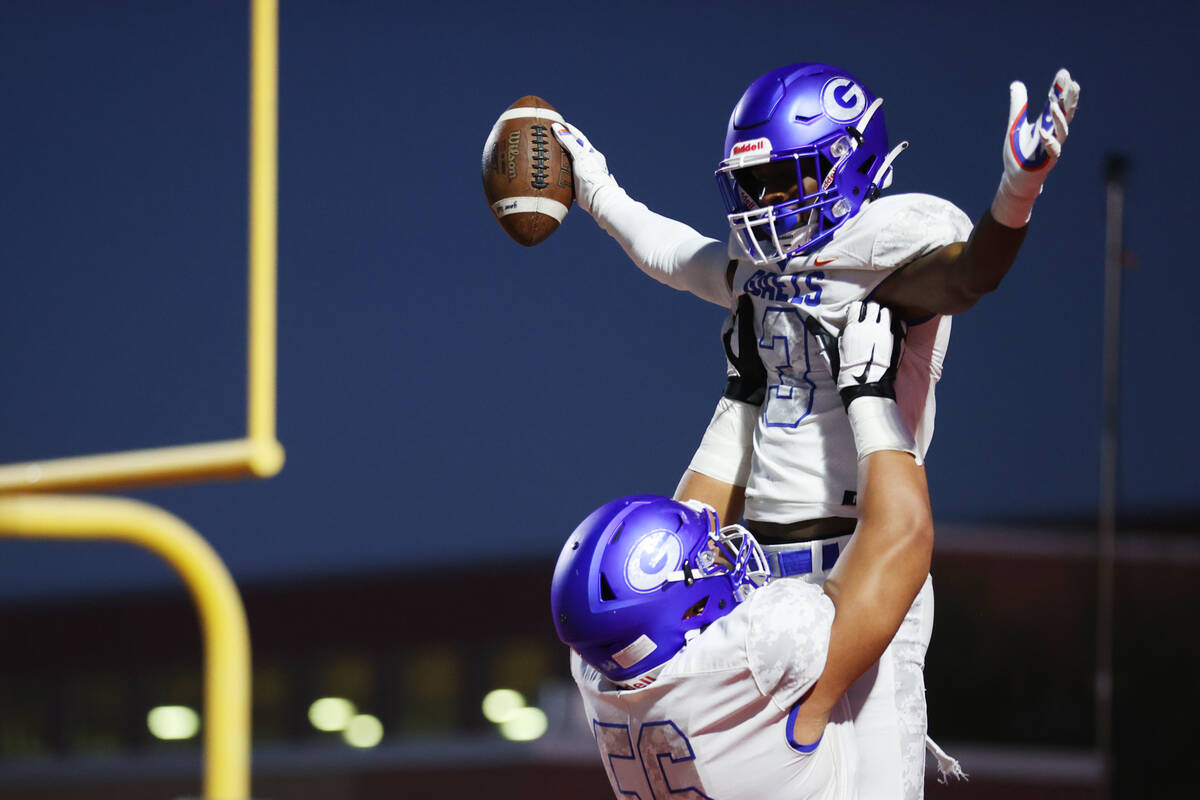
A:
(819, 263)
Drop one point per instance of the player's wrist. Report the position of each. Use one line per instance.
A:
(602, 192)
(851, 389)
(1011, 207)
(878, 425)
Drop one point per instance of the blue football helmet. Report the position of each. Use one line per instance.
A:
(803, 120)
(641, 575)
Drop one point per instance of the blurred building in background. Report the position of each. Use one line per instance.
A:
(439, 684)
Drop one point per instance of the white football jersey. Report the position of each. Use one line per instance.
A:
(804, 464)
(716, 722)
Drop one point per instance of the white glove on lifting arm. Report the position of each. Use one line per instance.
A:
(666, 250)
(1031, 149)
(868, 354)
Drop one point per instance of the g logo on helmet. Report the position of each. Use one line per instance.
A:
(652, 559)
(842, 99)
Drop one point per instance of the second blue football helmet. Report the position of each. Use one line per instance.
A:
(640, 574)
(804, 120)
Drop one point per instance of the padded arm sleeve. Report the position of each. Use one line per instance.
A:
(666, 250)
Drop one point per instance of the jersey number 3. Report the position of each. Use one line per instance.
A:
(661, 766)
(784, 351)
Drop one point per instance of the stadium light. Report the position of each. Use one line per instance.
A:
(331, 713)
(525, 725)
(173, 723)
(363, 730)
(499, 705)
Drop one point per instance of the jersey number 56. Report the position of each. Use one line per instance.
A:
(662, 764)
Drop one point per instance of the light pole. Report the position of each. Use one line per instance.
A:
(1114, 252)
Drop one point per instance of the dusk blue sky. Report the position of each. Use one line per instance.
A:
(445, 393)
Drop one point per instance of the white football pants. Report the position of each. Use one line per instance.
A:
(888, 707)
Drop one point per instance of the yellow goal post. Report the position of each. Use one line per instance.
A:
(259, 454)
(28, 511)
(223, 627)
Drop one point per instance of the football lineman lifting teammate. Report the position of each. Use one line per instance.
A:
(701, 675)
(806, 159)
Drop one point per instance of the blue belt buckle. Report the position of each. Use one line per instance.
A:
(797, 562)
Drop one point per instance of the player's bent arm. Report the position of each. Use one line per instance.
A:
(875, 580)
(879, 575)
(953, 278)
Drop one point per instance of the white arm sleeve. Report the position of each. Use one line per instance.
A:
(666, 250)
(725, 450)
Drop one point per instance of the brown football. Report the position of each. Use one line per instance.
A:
(527, 176)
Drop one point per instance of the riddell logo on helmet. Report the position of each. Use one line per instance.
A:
(762, 145)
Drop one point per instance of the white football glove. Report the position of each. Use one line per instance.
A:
(588, 163)
(868, 352)
(1031, 149)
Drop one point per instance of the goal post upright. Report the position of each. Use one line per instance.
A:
(263, 230)
(28, 512)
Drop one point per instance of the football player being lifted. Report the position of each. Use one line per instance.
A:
(806, 158)
(702, 676)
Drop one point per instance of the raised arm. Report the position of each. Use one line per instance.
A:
(885, 564)
(665, 249)
(951, 279)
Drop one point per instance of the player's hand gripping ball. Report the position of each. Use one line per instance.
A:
(527, 176)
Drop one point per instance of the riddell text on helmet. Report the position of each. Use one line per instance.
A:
(752, 146)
